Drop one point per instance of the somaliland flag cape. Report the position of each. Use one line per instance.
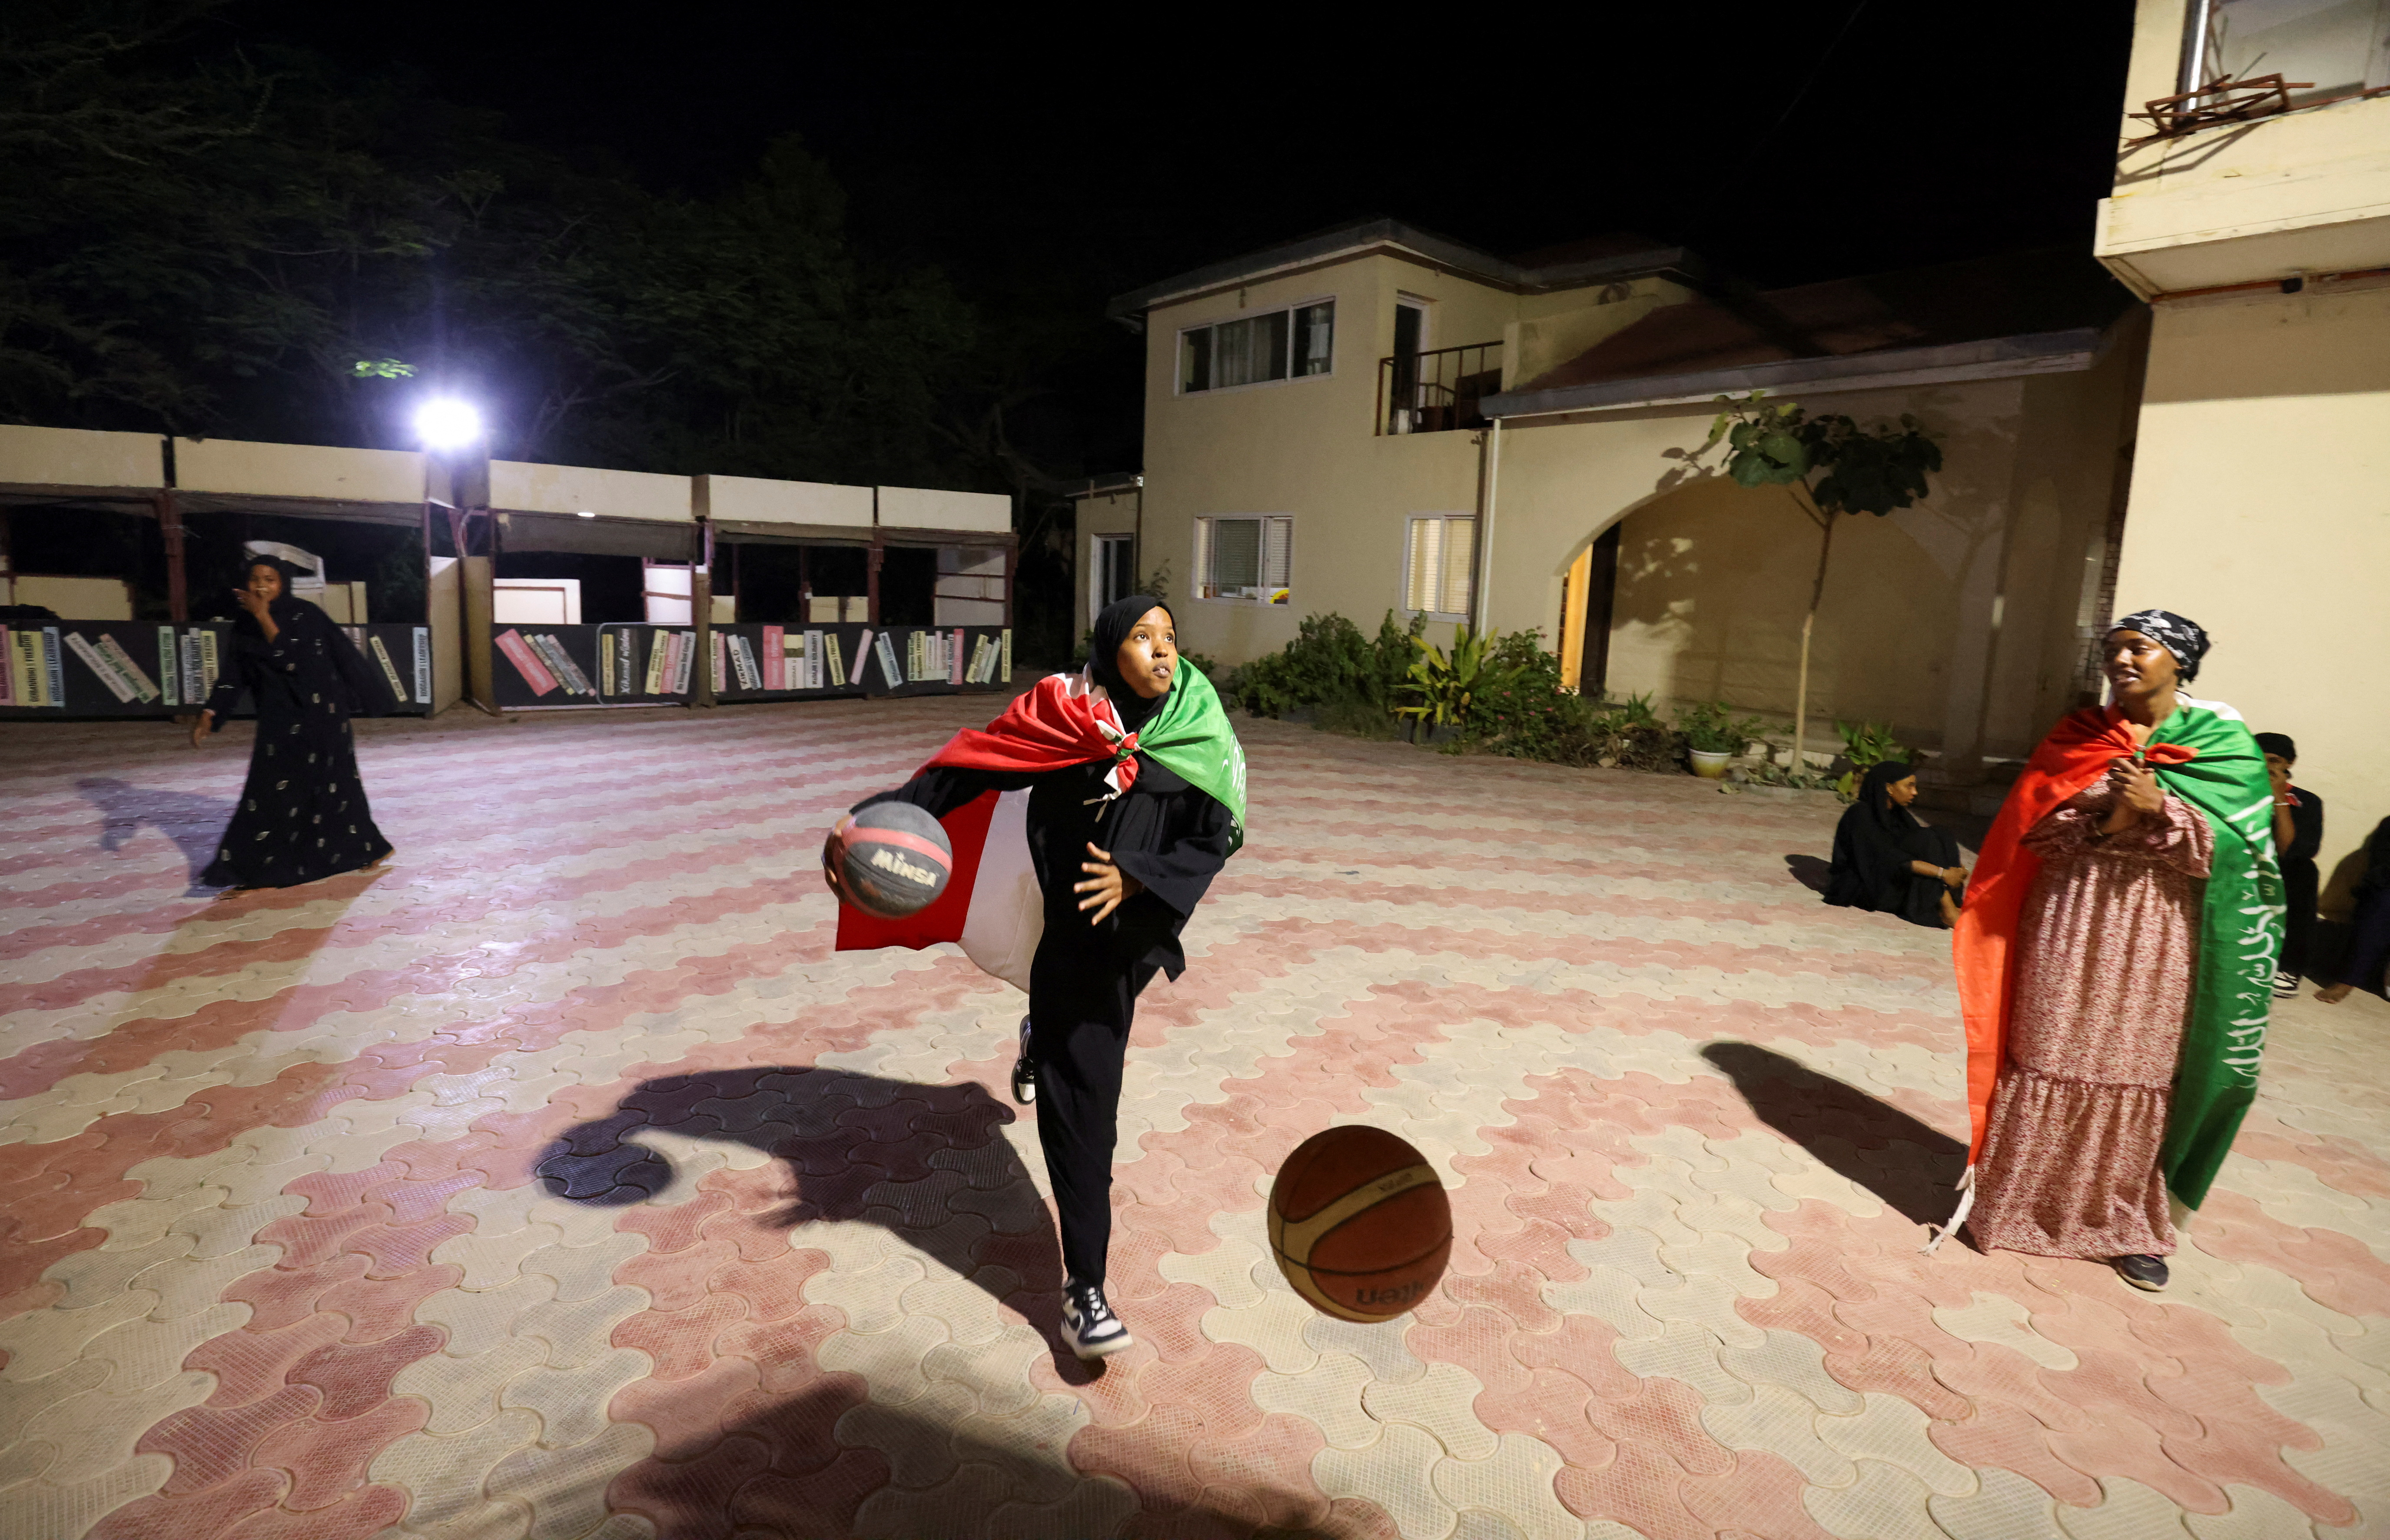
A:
(992, 906)
(2204, 754)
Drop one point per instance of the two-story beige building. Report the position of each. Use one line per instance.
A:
(1376, 417)
(2257, 226)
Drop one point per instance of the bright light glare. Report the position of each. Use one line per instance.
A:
(447, 423)
(585, 516)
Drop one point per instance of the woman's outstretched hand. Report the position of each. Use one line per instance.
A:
(1109, 886)
(199, 729)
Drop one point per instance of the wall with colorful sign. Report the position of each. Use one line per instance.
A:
(124, 668)
(619, 665)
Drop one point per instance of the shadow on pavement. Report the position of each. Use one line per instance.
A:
(1809, 871)
(928, 1163)
(827, 1461)
(1910, 1165)
(193, 822)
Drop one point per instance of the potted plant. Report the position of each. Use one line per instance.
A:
(1712, 737)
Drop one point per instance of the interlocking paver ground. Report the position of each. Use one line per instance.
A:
(562, 1181)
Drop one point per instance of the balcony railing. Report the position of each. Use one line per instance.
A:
(1435, 392)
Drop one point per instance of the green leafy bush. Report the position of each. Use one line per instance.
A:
(1501, 692)
(1325, 662)
(1629, 734)
(1441, 687)
(1331, 668)
(1517, 707)
(1710, 729)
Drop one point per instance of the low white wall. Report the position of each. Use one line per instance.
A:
(241, 469)
(527, 488)
(80, 458)
(921, 509)
(755, 500)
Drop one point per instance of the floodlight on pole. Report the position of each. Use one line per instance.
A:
(445, 423)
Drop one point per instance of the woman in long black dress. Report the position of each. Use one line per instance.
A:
(302, 815)
(1886, 860)
(1119, 875)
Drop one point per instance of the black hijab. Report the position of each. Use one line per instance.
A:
(1113, 627)
(283, 607)
(1875, 795)
(369, 691)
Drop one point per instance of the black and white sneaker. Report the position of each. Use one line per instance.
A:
(1089, 1328)
(2285, 984)
(2146, 1272)
(1024, 1074)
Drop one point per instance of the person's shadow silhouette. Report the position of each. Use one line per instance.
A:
(929, 1163)
(1911, 1166)
(193, 822)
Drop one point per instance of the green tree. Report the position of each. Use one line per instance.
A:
(199, 240)
(1828, 465)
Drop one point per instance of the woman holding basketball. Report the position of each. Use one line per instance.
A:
(1135, 799)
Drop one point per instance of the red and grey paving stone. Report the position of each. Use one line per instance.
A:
(561, 1181)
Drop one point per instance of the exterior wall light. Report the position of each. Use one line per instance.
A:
(445, 423)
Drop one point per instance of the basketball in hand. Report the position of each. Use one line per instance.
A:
(891, 860)
(1360, 1224)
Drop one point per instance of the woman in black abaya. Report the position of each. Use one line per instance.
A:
(1886, 860)
(302, 815)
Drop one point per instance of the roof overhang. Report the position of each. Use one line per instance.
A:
(1994, 358)
(1391, 237)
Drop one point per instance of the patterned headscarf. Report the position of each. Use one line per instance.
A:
(2170, 631)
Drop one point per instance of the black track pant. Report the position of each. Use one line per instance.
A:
(1081, 1001)
(2299, 882)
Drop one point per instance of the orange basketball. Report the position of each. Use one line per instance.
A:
(1359, 1223)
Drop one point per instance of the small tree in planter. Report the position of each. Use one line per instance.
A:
(1828, 464)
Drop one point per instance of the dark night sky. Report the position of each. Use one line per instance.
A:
(1131, 150)
(1048, 161)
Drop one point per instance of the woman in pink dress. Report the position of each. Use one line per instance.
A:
(2103, 962)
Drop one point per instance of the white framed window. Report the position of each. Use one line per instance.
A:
(1293, 343)
(2333, 47)
(1249, 558)
(1440, 565)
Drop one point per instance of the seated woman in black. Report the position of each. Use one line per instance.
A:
(1887, 860)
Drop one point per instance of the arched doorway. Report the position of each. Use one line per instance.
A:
(1589, 597)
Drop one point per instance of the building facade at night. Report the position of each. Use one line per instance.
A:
(1378, 418)
(2260, 500)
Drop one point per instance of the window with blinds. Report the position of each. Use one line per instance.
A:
(1440, 564)
(1245, 558)
(1278, 344)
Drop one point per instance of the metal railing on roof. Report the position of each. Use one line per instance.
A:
(1437, 391)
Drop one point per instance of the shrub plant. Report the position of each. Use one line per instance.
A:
(1709, 728)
